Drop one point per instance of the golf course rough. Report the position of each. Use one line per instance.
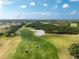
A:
(33, 47)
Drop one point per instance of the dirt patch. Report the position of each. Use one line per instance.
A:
(9, 46)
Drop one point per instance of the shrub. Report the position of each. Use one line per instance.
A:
(74, 50)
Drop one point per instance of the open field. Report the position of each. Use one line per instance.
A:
(28, 46)
(62, 43)
(8, 46)
(37, 48)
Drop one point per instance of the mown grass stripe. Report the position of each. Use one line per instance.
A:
(45, 51)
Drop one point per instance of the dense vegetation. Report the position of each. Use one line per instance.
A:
(74, 50)
(57, 28)
(12, 30)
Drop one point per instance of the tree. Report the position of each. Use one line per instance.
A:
(13, 30)
(74, 50)
(1, 33)
(55, 28)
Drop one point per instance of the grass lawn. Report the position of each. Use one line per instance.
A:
(8, 46)
(62, 43)
(28, 46)
(32, 47)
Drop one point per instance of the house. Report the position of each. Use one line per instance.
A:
(73, 25)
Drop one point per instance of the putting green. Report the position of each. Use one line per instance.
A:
(33, 47)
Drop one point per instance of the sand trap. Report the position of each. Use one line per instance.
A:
(39, 32)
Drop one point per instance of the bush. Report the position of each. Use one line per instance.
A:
(1, 33)
(13, 30)
(74, 50)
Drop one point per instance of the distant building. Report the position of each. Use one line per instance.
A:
(73, 25)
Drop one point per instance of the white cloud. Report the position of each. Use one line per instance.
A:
(65, 5)
(23, 6)
(32, 3)
(55, 7)
(59, 1)
(0, 6)
(28, 15)
(5, 2)
(73, 12)
(74, 0)
(56, 14)
(45, 13)
(78, 12)
(45, 4)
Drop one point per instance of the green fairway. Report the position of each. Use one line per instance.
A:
(32, 47)
(62, 43)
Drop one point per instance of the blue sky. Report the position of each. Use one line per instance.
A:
(39, 9)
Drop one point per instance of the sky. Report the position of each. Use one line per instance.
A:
(39, 9)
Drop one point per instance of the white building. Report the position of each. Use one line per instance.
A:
(73, 25)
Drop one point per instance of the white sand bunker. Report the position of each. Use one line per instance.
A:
(39, 32)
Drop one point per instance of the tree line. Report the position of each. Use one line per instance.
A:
(55, 28)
